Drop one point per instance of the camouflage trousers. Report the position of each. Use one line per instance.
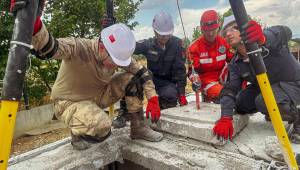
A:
(87, 117)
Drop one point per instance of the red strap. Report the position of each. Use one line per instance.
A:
(12, 4)
(37, 25)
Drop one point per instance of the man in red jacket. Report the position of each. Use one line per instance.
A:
(209, 54)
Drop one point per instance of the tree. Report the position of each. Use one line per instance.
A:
(81, 18)
(64, 18)
(6, 23)
(196, 33)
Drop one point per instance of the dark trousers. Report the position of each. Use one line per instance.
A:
(250, 100)
(167, 92)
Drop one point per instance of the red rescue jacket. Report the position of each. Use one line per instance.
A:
(209, 59)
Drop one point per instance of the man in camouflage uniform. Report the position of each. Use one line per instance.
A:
(87, 83)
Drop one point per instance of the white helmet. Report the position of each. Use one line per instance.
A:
(119, 41)
(163, 23)
(228, 20)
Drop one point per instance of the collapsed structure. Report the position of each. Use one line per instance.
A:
(188, 144)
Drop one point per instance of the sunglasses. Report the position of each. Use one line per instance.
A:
(209, 23)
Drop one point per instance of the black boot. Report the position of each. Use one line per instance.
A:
(122, 118)
(287, 113)
(82, 142)
(164, 104)
(295, 135)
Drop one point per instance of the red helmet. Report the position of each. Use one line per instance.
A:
(209, 20)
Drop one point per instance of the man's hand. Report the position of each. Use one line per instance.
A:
(224, 128)
(196, 86)
(15, 5)
(253, 33)
(107, 21)
(196, 83)
(153, 108)
(182, 100)
(37, 25)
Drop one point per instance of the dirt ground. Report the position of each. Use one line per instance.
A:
(27, 143)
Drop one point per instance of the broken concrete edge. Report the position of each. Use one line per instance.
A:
(34, 118)
(161, 156)
(33, 153)
(119, 146)
(116, 133)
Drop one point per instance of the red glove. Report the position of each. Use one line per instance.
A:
(182, 100)
(254, 33)
(16, 5)
(153, 108)
(224, 128)
(37, 25)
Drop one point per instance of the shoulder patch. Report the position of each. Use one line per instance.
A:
(222, 49)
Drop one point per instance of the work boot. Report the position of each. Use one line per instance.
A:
(285, 117)
(140, 130)
(164, 104)
(122, 118)
(295, 135)
(83, 142)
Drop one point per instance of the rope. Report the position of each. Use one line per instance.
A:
(181, 19)
(190, 63)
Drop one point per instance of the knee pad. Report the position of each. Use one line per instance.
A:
(168, 93)
(260, 104)
(165, 104)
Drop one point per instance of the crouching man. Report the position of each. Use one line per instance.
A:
(283, 71)
(87, 83)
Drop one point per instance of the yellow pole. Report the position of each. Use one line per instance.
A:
(111, 111)
(275, 116)
(8, 115)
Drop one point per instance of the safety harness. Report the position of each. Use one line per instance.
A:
(135, 86)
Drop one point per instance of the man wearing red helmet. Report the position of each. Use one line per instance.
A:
(209, 54)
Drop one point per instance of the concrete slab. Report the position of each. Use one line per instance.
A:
(51, 126)
(62, 155)
(189, 122)
(247, 151)
(31, 119)
(178, 153)
(169, 154)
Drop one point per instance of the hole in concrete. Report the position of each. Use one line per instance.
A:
(127, 165)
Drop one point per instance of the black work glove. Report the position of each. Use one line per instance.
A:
(196, 86)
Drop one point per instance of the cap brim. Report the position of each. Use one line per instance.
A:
(165, 33)
(210, 27)
(227, 24)
(104, 34)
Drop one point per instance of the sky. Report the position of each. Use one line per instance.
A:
(270, 12)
